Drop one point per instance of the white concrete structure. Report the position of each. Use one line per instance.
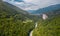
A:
(44, 16)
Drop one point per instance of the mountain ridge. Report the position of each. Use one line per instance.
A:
(47, 9)
(15, 8)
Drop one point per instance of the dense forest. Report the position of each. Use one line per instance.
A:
(50, 26)
(17, 22)
(14, 23)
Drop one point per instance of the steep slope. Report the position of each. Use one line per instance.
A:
(15, 8)
(47, 9)
(25, 13)
(50, 26)
(14, 22)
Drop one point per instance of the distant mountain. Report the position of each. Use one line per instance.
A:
(47, 9)
(30, 11)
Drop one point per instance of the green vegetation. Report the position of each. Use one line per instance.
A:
(16, 22)
(49, 27)
(12, 22)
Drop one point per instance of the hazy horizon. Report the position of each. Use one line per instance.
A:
(32, 4)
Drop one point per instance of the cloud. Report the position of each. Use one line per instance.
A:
(44, 3)
(33, 4)
(28, 1)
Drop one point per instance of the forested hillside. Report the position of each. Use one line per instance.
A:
(17, 22)
(50, 26)
(21, 11)
(14, 23)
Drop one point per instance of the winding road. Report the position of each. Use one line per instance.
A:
(31, 33)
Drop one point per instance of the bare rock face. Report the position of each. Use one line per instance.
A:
(44, 16)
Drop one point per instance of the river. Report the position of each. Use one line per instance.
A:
(31, 32)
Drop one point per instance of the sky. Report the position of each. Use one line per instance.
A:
(32, 4)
